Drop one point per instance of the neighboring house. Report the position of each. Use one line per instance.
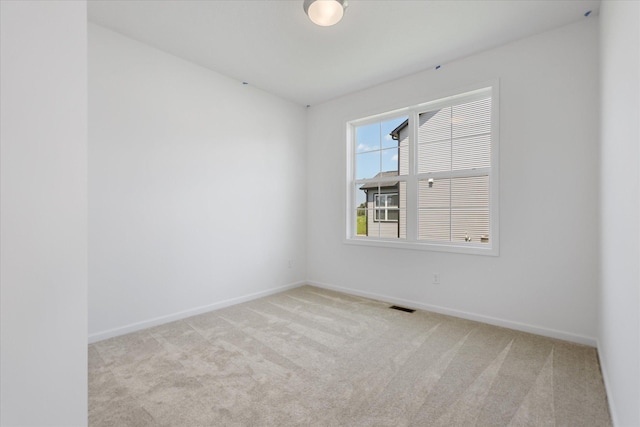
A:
(383, 208)
(450, 209)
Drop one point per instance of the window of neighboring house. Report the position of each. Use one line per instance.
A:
(386, 207)
(430, 172)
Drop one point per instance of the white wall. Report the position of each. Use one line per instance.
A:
(197, 188)
(43, 213)
(619, 328)
(545, 279)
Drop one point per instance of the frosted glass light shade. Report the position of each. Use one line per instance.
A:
(324, 12)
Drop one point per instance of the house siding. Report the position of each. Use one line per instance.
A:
(450, 209)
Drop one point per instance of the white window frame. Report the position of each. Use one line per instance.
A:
(411, 241)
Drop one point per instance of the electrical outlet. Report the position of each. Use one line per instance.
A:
(436, 278)
(290, 263)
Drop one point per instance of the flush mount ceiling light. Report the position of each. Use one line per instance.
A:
(325, 12)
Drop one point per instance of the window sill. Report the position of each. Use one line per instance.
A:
(468, 248)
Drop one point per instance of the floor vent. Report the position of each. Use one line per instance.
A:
(405, 309)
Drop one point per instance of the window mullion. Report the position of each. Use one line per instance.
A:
(412, 183)
(460, 173)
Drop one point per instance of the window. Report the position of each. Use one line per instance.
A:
(386, 207)
(426, 176)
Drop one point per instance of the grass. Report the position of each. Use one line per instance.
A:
(361, 229)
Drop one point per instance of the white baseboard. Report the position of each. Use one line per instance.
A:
(607, 387)
(99, 336)
(552, 333)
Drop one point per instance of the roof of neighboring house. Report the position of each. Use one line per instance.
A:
(386, 174)
(395, 134)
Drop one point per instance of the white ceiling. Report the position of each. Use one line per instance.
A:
(272, 44)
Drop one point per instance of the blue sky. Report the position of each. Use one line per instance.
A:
(376, 151)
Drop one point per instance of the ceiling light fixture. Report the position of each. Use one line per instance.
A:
(325, 12)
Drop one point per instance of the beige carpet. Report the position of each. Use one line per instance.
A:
(312, 357)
